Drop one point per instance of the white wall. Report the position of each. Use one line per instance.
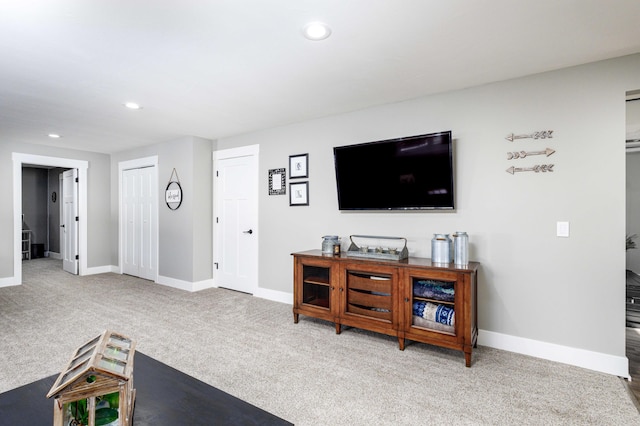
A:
(532, 285)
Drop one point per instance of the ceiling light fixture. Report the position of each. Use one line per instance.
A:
(316, 31)
(132, 105)
(54, 135)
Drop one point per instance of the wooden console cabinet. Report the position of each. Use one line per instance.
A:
(412, 298)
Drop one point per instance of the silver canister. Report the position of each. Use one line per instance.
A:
(461, 248)
(441, 248)
(329, 242)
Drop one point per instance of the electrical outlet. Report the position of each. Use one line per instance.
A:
(562, 229)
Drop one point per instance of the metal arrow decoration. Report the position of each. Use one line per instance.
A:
(523, 154)
(544, 134)
(538, 168)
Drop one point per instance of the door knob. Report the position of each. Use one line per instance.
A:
(250, 231)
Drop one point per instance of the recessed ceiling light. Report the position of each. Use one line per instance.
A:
(54, 135)
(316, 31)
(132, 105)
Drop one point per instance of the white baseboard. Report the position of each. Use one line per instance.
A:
(8, 282)
(53, 255)
(202, 285)
(185, 285)
(604, 363)
(596, 361)
(265, 293)
(101, 270)
(275, 295)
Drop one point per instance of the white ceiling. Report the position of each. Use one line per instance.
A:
(218, 68)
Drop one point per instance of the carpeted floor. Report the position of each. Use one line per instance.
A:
(304, 373)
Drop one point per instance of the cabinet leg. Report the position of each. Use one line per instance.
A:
(338, 328)
(401, 343)
(467, 359)
(295, 318)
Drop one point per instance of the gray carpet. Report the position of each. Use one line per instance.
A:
(304, 373)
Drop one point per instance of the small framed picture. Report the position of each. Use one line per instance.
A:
(298, 166)
(299, 194)
(277, 182)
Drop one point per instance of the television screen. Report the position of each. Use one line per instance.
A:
(408, 173)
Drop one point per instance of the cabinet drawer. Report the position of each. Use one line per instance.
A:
(370, 312)
(368, 283)
(355, 297)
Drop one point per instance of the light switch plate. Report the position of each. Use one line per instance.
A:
(562, 229)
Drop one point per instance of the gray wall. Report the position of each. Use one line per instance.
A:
(98, 228)
(568, 291)
(185, 247)
(532, 284)
(54, 210)
(202, 221)
(34, 204)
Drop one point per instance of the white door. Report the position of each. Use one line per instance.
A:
(139, 236)
(236, 221)
(70, 221)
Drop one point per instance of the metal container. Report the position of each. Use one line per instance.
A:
(461, 248)
(441, 248)
(329, 242)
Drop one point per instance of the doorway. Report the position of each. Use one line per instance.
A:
(235, 221)
(42, 220)
(20, 159)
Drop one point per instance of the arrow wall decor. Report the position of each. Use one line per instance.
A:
(538, 168)
(544, 134)
(523, 154)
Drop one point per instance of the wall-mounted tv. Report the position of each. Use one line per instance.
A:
(409, 173)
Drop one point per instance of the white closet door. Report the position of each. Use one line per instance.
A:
(139, 206)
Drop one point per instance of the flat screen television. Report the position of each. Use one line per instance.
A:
(410, 173)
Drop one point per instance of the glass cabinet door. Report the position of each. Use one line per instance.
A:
(433, 304)
(315, 286)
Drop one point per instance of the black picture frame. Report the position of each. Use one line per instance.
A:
(298, 166)
(299, 193)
